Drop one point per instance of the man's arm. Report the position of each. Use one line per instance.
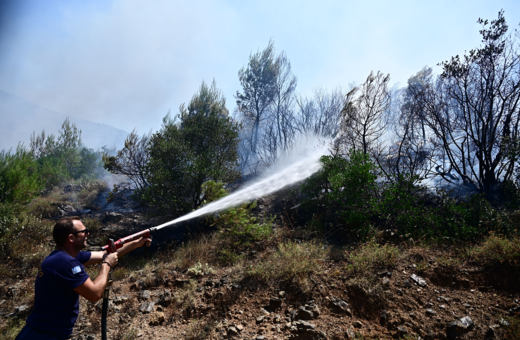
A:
(97, 256)
(93, 290)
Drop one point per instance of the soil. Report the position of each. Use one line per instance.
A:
(419, 298)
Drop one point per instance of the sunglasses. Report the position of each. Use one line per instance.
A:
(86, 231)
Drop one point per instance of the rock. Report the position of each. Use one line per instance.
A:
(147, 307)
(430, 312)
(350, 334)
(383, 274)
(112, 217)
(232, 331)
(515, 311)
(275, 303)
(165, 297)
(339, 306)
(181, 282)
(304, 325)
(459, 327)
(402, 331)
(383, 317)
(307, 312)
(281, 293)
(239, 327)
(157, 318)
(503, 322)
(144, 295)
(386, 283)
(119, 298)
(399, 292)
(21, 310)
(260, 337)
(419, 280)
(357, 324)
(260, 319)
(407, 284)
(277, 318)
(138, 285)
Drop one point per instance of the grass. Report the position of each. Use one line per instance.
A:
(197, 330)
(292, 261)
(497, 250)
(11, 329)
(371, 256)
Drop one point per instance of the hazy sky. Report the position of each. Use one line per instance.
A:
(126, 62)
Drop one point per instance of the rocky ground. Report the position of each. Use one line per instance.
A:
(420, 298)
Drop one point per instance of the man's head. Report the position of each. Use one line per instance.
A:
(70, 230)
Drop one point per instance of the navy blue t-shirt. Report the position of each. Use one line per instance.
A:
(56, 304)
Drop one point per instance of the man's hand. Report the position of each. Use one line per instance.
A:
(111, 259)
(145, 241)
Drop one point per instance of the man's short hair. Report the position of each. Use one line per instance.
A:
(62, 229)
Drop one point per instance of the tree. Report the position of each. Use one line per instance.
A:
(131, 160)
(258, 80)
(472, 110)
(320, 114)
(364, 118)
(183, 156)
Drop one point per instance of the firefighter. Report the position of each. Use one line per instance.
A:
(62, 279)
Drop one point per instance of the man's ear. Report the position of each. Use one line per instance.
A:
(70, 238)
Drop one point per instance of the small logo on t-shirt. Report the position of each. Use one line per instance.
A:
(76, 270)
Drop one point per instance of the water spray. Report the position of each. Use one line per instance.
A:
(303, 166)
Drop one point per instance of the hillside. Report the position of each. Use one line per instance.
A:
(20, 118)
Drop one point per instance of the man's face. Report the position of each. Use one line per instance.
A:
(80, 238)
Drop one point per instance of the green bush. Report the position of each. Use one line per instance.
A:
(238, 226)
(19, 181)
(202, 146)
(371, 256)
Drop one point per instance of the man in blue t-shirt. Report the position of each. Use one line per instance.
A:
(62, 279)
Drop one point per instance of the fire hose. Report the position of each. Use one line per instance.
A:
(112, 247)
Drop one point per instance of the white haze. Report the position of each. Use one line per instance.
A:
(299, 164)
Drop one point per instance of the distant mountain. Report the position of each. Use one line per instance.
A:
(19, 118)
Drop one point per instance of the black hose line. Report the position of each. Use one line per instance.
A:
(104, 312)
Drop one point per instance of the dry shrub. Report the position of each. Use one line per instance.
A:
(292, 261)
(44, 207)
(188, 254)
(199, 329)
(88, 194)
(23, 243)
(366, 296)
(371, 256)
(498, 250)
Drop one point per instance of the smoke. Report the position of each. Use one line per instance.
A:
(302, 162)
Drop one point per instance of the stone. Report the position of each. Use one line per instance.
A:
(503, 322)
(120, 298)
(419, 280)
(281, 293)
(275, 303)
(515, 311)
(386, 282)
(260, 337)
(239, 327)
(307, 312)
(138, 285)
(399, 292)
(357, 324)
(144, 295)
(20, 310)
(232, 331)
(112, 217)
(459, 327)
(407, 284)
(157, 318)
(304, 325)
(260, 319)
(402, 331)
(430, 312)
(350, 334)
(147, 307)
(339, 306)
(181, 282)
(383, 317)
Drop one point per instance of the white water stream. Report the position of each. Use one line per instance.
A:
(298, 168)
